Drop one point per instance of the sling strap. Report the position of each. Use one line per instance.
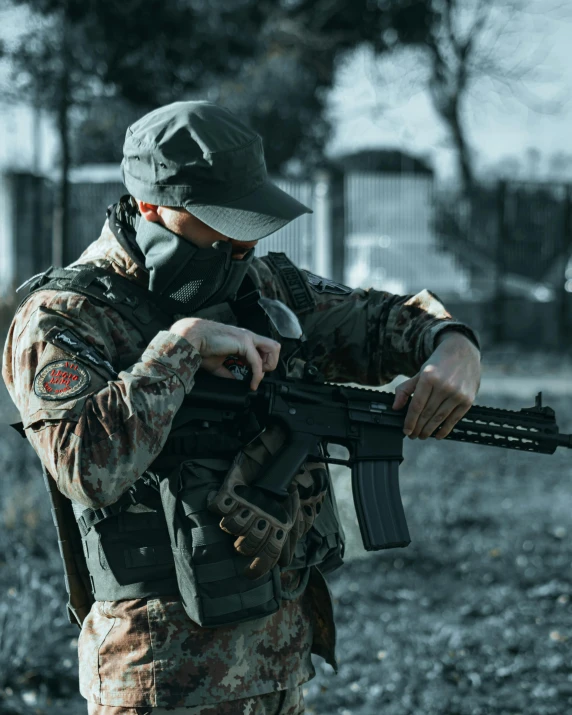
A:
(296, 287)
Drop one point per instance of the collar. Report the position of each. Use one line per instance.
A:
(115, 248)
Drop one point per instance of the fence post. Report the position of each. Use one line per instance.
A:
(338, 207)
(329, 224)
(498, 307)
(7, 238)
(566, 252)
(25, 244)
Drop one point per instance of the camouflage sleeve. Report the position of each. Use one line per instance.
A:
(95, 432)
(365, 336)
(371, 336)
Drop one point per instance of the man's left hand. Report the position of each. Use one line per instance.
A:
(443, 390)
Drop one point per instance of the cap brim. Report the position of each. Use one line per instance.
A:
(251, 217)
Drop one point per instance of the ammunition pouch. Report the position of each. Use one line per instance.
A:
(126, 546)
(161, 539)
(213, 587)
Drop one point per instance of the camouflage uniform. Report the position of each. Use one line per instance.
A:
(146, 653)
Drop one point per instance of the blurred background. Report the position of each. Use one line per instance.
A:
(431, 138)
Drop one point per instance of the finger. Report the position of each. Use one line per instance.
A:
(268, 349)
(270, 356)
(427, 426)
(222, 371)
(269, 556)
(308, 514)
(416, 406)
(238, 522)
(457, 414)
(255, 362)
(221, 504)
(404, 391)
(252, 542)
(260, 565)
(289, 548)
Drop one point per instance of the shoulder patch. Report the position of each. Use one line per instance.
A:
(67, 340)
(61, 379)
(325, 285)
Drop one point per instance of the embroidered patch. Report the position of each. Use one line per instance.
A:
(68, 341)
(61, 380)
(325, 285)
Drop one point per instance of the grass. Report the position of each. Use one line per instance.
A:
(472, 619)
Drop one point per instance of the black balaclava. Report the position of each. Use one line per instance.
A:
(195, 277)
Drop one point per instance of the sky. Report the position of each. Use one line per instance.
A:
(384, 104)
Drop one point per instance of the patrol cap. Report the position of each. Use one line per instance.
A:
(199, 156)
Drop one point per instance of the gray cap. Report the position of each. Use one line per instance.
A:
(200, 156)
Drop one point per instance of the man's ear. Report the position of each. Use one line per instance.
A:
(148, 211)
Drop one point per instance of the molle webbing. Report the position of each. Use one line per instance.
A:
(214, 607)
(147, 312)
(138, 492)
(210, 572)
(293, 281)
(126, 546)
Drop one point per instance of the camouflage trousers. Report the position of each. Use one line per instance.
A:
(283, 702)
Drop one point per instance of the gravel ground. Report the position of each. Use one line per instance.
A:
(473, 618)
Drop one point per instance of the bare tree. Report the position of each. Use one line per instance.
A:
(74, 53)
(469, 42)
(473, 40)
(452, 49)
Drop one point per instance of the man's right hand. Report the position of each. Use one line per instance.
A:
(216, 341)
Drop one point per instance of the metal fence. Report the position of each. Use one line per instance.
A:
(25, 228)
(518, 228)
(515, 239)
(366, 230)
(89, 201)
(499, 258)
(389, 237)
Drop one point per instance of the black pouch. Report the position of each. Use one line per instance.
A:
(210, 572)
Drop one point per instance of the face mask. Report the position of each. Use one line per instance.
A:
(195, 277)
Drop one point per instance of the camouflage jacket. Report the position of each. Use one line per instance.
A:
(147, 652)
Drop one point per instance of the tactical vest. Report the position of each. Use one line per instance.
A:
(159, 538)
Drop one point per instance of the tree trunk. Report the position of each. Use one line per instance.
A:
(464, 159)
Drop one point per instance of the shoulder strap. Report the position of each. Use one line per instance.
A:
(147, 312)
(141, 489)
(294, 283)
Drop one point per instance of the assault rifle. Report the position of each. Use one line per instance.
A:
(316, 413)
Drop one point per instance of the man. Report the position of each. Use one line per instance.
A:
(179, 608)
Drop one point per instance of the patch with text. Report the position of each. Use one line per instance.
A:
(61, 379)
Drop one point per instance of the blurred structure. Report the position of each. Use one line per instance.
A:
(498, 259)
(515, 240)
(26, 213)
(390, 241)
